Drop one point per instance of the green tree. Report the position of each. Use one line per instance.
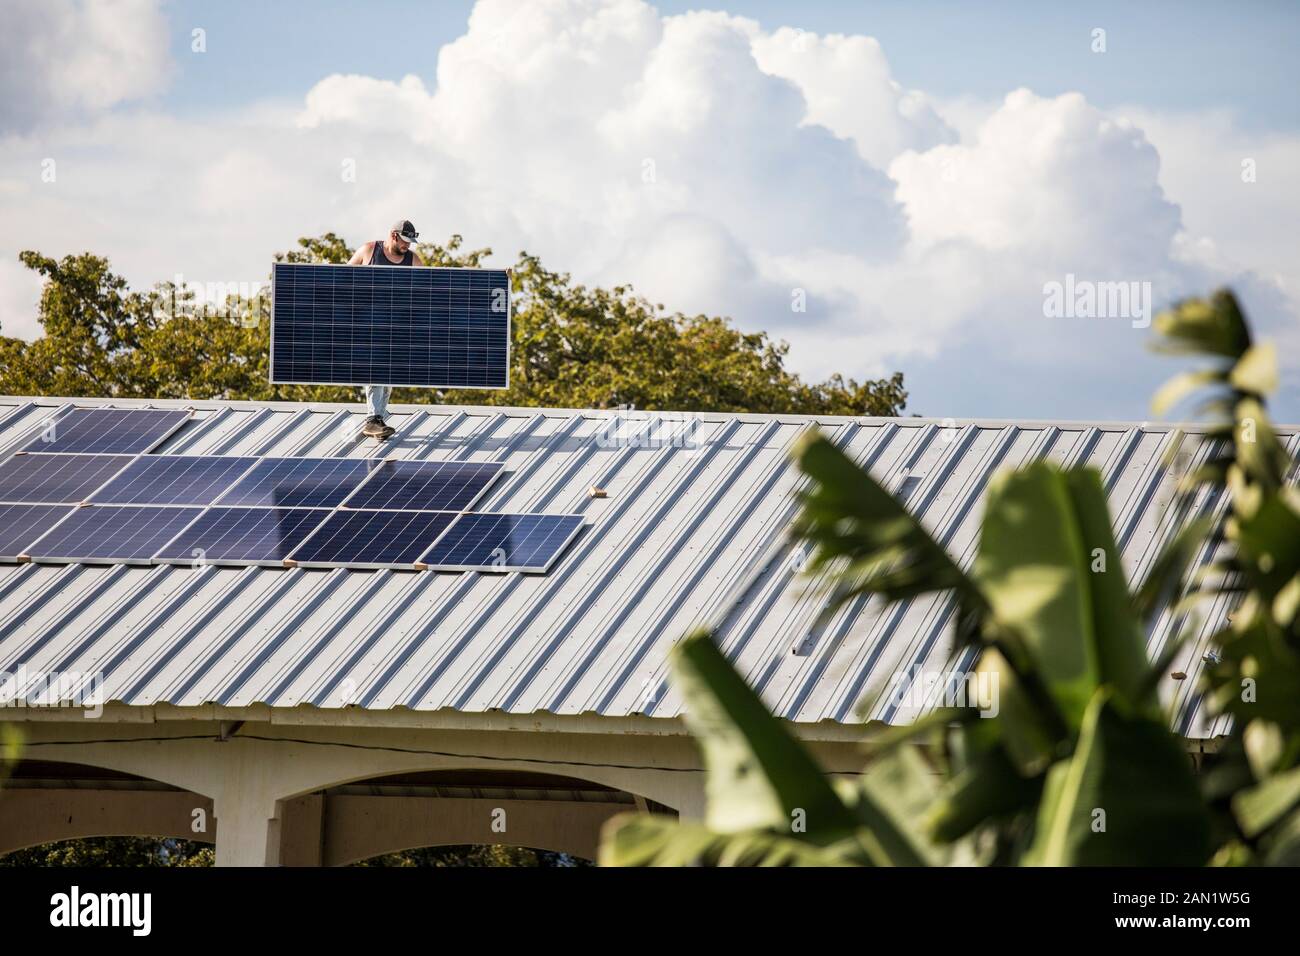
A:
(163, 852)
(1079, 730)
(573, 346)
(473, 855)
(113, 851)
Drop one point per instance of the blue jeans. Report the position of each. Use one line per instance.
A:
(377, 399)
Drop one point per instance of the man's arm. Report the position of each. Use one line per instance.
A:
(415, 258)
(362, 255)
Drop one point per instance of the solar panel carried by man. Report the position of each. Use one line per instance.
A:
(394, 251)
(373, 325)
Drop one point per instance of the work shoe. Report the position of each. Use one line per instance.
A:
(375, 428)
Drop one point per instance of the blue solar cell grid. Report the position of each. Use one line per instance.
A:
(108, 431)
(375, 539)
(20, 525)
(173, 480)
(233, 510)
(502, 542)
(425, 485)
(38, 478)
(243, 536)
(112, 533)
(299, 482)
(384, 325)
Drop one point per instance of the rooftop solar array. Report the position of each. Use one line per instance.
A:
(105, 431)
(385, 325)
(71, 506)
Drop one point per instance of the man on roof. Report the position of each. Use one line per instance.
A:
(394, 251)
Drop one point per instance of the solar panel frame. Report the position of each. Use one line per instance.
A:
(358, 380)
(81, 523)
(151, 483)
(39, 445)
(220, 554)
(58, 463)
(19, 524)
(363, 498)
(300, 557)
(267, 463)
(465, 522)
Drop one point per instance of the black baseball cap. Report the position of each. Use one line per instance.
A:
(404, 229)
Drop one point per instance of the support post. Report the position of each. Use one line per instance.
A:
(248, 833)
(302, 831)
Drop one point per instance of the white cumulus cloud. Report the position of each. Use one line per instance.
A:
(72, 56)
(718, 165)
(848, 88)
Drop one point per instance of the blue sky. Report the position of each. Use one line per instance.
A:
(920, 189)
(1193, 54)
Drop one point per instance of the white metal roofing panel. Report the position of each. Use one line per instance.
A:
(692, 531)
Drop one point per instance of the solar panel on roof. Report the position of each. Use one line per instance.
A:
(116, 533)
(384, 325)
(108, 431)
(173, 480)
(502, 542)
(20, 525)
(299, 482)
(243, 536)
(32, 478)
(425, 485)
(373, 539)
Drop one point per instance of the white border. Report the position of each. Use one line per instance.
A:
(510, 305)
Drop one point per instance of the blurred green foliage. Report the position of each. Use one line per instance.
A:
(1076, 764)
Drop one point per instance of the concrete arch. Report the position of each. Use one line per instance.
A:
(33, 817)
(127, 756)
(49, 803)
(355, 828)
(360, 819)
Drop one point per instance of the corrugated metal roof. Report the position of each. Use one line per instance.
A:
(693, 529)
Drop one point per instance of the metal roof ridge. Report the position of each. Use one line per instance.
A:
(791, 417)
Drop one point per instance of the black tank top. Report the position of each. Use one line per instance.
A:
(378, 258)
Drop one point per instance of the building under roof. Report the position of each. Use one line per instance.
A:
(291, 705)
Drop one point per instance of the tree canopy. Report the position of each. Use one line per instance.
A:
(573, 346)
